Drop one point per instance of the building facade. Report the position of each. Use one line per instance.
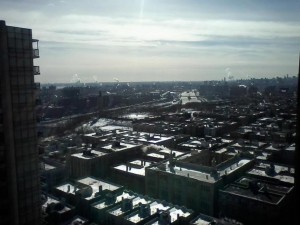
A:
(19, 168)
(192, 181)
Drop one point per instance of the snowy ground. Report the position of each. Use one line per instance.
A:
(105, 124)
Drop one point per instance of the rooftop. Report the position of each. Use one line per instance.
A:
(67, 188)
(198, 173)
(156, 155)
(90, 182)
(153, 138)
(260, 195)
(111, 200)
(118, 210)
(50, 201)
(94, 154)
(95, 183)
(202, 220)
(121, 147)
(283, 178)
(48, 167)
(155, 206)
(169, 151)
(138, 170)
(77, 220)
(176, 212)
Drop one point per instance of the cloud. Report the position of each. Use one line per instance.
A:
(144, 38)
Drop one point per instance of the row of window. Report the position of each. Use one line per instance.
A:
(20, 62)
(16, 35)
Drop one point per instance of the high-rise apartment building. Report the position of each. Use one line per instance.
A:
(19, 165)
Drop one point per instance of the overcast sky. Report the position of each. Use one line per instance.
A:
(160, 40)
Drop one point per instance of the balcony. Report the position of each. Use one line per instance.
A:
(36, 70)
(35, 53)
(35, 48)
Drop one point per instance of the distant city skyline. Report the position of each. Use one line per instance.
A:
(143, 40)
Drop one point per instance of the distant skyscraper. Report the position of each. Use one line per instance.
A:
(19, 163)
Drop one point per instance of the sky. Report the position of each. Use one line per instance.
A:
(160, 40)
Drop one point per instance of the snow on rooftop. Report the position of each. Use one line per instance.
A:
(93, 152)
(284, 178)
(203, 175)
(95, 183)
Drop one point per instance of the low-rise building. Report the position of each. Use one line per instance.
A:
(131, 175)
(256, 201)
(193, 180)
(83, 192)
(98, 162)
(151, 214)
(54, 211)
(99, 208)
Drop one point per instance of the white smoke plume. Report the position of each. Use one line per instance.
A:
(75, 79)
(228, 73)
(154, 147)
(95, 79)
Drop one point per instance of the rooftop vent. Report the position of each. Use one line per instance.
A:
(127, 204)
(144, 210)
(87, 152)
(116, 144)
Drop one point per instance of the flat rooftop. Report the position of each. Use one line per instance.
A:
(223, 150)
(260, 195)
(153, 138)
(174, 212)
(135, 217)
(88, 181)
(169, 151)
(67, 188)
(291, 147)
(261, 172)
(206, 143)
(156, 155)
(77, 220)
(115, 127)
(201, 174)
(134, 170)
(95, 183)
(102, 204)
(52, 200)
(94, 154)
(202, 220)
(48, 167)
(117, 211)
(123, 146)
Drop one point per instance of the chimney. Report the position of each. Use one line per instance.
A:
(100, 188)
(68, 188)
